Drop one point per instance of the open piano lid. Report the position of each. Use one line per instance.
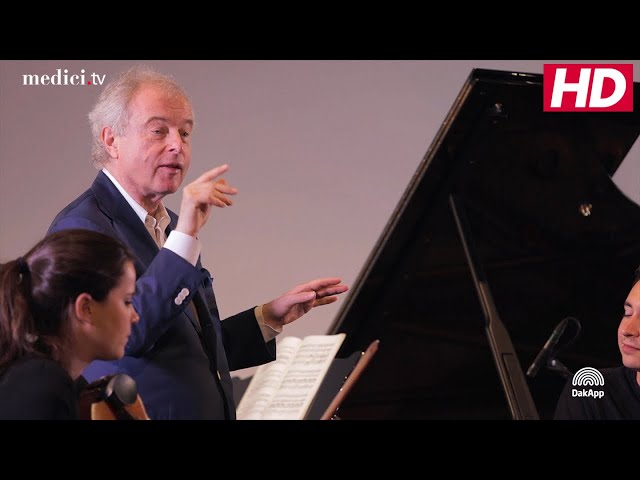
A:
(553, 233)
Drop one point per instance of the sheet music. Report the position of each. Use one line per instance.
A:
(285, 388)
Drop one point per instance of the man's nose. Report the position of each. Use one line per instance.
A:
(631, 326)
(175, 142)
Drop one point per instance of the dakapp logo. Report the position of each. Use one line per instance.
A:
(588, 87)
(588, 377)
(62, 77)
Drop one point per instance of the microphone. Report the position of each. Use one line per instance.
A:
(546, 350)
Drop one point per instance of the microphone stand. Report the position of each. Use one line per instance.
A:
(553, 363)
(557, 366)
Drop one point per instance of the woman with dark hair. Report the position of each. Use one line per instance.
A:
(616, 393)
(64, 304)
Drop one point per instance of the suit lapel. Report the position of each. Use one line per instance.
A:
(124, 219)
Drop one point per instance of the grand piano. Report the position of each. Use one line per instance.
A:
(510, 225)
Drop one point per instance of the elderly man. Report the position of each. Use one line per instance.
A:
(179, 353)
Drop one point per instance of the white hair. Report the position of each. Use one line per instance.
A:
(111, 109)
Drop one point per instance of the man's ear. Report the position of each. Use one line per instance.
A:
(110, 141)
(82, 308)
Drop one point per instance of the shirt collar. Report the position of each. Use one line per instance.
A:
(139, 209)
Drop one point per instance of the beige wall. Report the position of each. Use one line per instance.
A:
(320, 151)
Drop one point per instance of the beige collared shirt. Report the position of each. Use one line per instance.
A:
(157, 224)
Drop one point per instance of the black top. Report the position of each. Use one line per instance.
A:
(37, 389)
(621, 400)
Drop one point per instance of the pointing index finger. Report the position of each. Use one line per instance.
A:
(213, 173)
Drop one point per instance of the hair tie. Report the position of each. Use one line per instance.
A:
(23, 266)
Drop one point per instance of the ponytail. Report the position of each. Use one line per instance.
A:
(17, 332)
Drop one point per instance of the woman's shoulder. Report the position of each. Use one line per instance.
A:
(34, 366)
(36, 388)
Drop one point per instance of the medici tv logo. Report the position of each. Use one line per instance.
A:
(588, 87)
(588, 377)
(62, 77)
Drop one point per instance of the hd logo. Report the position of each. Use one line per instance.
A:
(588, 87)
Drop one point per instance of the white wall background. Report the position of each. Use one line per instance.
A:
(321, 152)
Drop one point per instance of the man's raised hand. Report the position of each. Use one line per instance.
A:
(199, 196)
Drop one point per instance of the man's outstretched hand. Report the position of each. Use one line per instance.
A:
(293, 304)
